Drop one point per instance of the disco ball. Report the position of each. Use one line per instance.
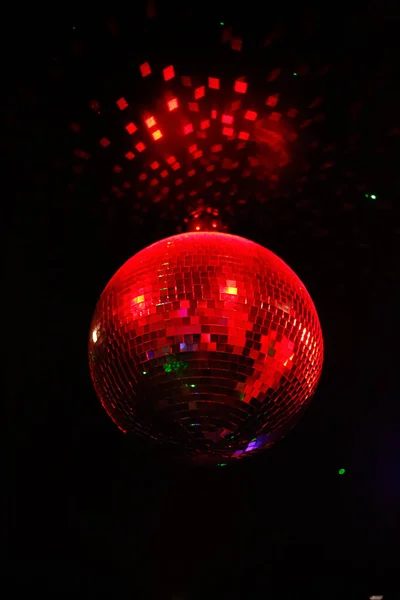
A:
(208, 343)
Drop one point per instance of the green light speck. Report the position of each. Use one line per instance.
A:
(221, 464)
(295, 74)
(174, 365)
(342, 471)
(144, 373)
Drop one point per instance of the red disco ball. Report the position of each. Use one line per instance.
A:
(206, 342)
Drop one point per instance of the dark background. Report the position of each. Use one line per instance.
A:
(88, 511)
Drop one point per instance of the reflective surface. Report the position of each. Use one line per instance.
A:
(206, 341)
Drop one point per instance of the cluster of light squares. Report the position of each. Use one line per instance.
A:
(204, 124)
(223, 111)
(207, 340)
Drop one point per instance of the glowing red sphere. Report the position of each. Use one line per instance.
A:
(207, 342)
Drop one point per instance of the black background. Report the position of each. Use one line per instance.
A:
(89, 511)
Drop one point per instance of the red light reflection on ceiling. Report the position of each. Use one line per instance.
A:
(169, 73)
(145, 69)
(173, 104)
(216, 125)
